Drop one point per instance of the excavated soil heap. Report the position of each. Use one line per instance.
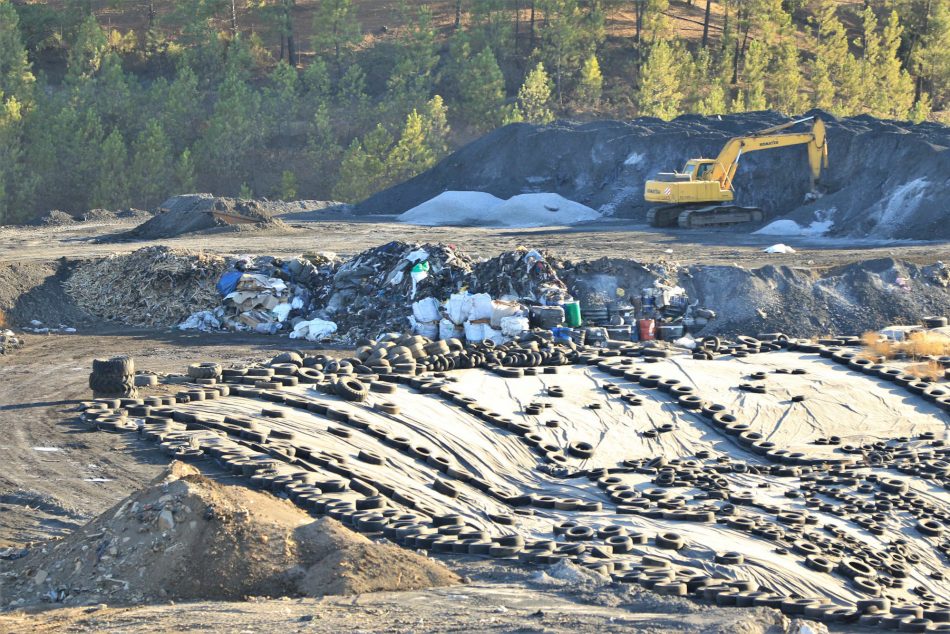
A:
(188, 537)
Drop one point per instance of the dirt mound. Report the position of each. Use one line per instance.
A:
(188, 537)
(192, 213)
(154, 286)
(886, 179)
(34, 291)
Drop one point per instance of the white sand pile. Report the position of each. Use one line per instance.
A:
(480, 208)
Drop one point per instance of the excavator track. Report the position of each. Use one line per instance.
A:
(717, 216)
(699, 216)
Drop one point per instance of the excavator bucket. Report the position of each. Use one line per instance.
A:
(817, 152)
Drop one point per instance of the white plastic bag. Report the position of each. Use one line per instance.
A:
(501, 309)
(458, 307)
(513, 326)
(313, 330)
(426, 309)
(481, 307)
(448, 330)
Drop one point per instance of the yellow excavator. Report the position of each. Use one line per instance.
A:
(694, 197)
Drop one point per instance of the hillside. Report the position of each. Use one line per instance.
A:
(342, 99)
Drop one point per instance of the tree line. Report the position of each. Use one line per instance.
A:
(198, 100)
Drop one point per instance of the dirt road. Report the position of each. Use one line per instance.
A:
(348, 235)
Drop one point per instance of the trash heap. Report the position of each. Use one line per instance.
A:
(9, 341)
(522, 274)
(266, 294)
(373, 292)
(152, 287)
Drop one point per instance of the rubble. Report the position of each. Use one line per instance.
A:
(151, 287)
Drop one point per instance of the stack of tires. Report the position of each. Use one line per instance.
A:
(113, 378)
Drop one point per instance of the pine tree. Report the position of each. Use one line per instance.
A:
(363, 167)
(12, 188)
(534, 97)
(16, 79)
(932, 57)
(660, 94)
(185, 173)
(288, 186)
(86, 53)
(353, 99)
(153, 172)
(223, 152)
(481, 89)
(335, 30)
(756, 63)
(835, 72)
(111, 189)
(413, 75)
(182, 110)
(563, 45)
(786, 80)
(411, 155)
(323, 150)
(896, 88)
(437, 127)
(280, 100)
(591, 83)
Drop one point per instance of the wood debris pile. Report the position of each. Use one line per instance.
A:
(151, 287)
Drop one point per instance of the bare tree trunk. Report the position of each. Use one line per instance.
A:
(291, 49)
(639, 19)
(706, 24)
(517, 22)
(151, 14)
(725, 22)
(532, 25)
(458, 14)
(234, 27)
(281, 55)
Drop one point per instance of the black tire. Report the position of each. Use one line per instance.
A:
(670, 541)
(580, 449)
(445, 488)
(123, 365)
(934, 322)
(351, 389)
(204, 370)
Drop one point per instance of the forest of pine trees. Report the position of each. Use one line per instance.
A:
(244, 98)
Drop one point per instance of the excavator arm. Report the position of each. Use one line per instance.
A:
(727, 162)
(702, 194)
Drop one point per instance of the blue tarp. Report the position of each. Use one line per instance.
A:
(228, 282)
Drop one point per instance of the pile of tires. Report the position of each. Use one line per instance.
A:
(113, 378)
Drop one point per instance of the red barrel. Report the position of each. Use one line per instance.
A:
(646, 327)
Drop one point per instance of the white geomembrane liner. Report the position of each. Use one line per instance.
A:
(837, 402)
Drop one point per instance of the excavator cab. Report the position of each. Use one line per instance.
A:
(702, 194)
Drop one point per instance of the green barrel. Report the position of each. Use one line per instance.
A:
(572, 314)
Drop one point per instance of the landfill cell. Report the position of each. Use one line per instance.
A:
(825, 483)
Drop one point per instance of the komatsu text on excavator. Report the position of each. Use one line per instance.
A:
(694, 197)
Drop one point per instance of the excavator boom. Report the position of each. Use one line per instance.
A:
(706, 182)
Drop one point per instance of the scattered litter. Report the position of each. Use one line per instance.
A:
(46, 449)
(314, 330)
(779, 248)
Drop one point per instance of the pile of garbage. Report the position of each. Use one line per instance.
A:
(373, 292)
(9, 341)
(266, 294)
(151, 287)
(524, 274)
